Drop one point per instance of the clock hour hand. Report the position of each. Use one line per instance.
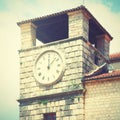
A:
(48, 67)
(48, 61)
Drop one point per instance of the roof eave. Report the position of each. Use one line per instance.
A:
(83, 8)
(50, 15)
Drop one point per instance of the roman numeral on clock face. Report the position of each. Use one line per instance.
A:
(39, 74)
(57, 71)
(58, 65)
(43, 77)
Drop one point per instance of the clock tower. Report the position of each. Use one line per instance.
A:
(72, 43)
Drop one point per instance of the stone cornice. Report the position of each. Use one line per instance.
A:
(51, 96)
(53, 43)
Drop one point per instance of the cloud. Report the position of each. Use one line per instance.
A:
(9, 78)
(25, 9)
(3, 6)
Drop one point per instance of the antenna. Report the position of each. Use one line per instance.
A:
(83, 2)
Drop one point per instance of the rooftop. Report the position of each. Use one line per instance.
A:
(97, 74)
(115, 73)
(59, 22)
(115, 57)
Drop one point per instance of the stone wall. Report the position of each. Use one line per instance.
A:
(72, 51)
(28, 35)
(71, 81)
(103, 46)
(102, 99)
(77, 62)
(78, 25)
(66, 108)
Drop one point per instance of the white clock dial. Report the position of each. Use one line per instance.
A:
(49, 67)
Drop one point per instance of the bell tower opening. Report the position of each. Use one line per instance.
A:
(52, 29)
(99, 39)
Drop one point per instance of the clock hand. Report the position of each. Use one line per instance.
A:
(48, 61)
(52, 61)
(48, 67)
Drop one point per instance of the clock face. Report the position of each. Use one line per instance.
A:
(49, 67)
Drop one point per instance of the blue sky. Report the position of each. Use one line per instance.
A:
(107, 12)
(112, 4)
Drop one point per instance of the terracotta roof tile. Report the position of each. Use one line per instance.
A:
(96, 71)
(86, 11)
(53, 14)
(115, 73)
(115, 56)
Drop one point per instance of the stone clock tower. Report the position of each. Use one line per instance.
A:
(72, 43)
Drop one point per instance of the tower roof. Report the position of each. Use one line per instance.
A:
(55, 16)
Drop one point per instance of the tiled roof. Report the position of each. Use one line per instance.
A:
(115, 73)
(52, 15)
(96, 71)
(83, 8)
(115, 56)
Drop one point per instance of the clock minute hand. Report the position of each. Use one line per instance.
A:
(52, 61)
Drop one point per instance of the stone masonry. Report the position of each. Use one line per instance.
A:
(35, 99)
(102, 99)
(29, 88)
(70, 98)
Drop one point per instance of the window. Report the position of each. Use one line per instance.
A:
(50, 116)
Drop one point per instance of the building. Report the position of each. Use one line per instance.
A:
(67, 76)
(102, 98)
(115, 61)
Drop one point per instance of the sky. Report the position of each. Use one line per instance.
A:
(107, 12)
